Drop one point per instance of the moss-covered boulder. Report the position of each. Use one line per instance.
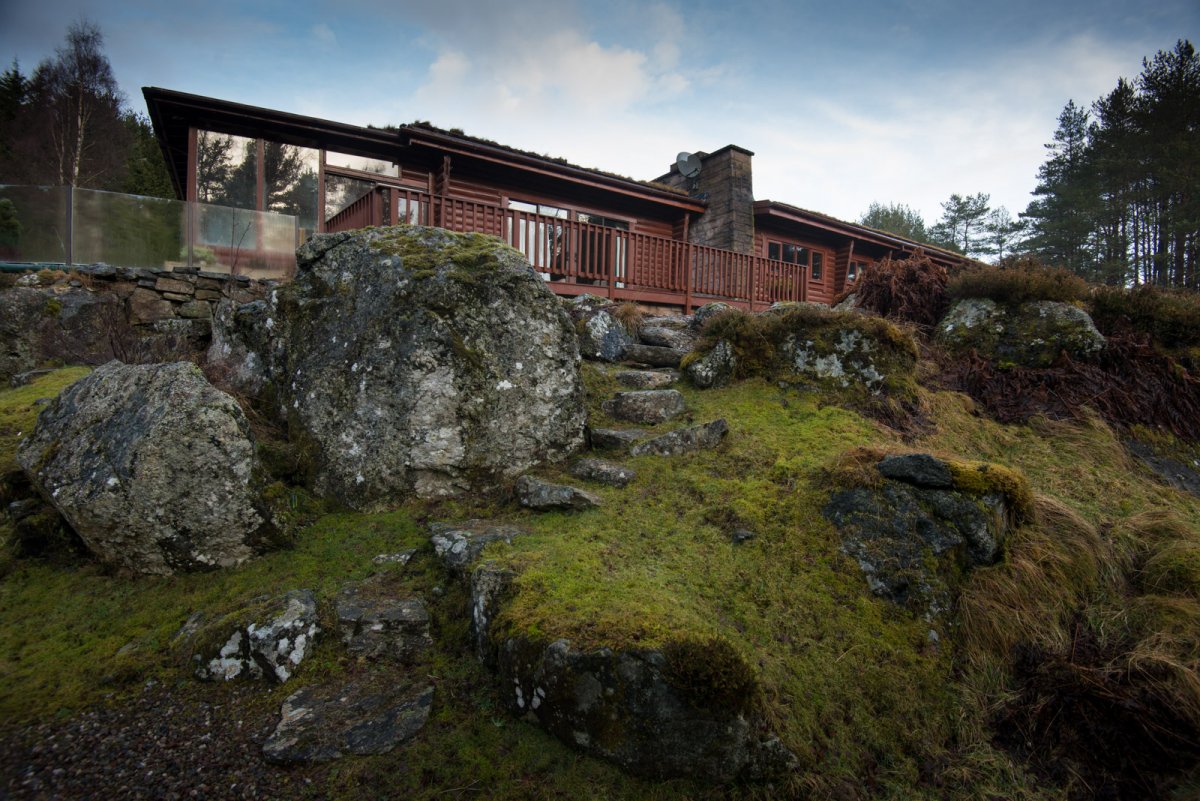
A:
(806, 343)
(421, 361)
(914, 522)
(1030, 334)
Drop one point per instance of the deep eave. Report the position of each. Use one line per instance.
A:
(173, 113)
(774, 210)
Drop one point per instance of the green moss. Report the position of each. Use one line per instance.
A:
(460, 256)
(984, 478)
(19, 409)
(53, 307)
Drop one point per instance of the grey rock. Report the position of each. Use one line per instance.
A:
(602, 336)
(889, 532)
(684, 440)
(244, 351)
(715, 368)
(645, 406)
(322, 724)
(398, 558)
(272, 643)
(920, 469)
(708, 311)
(654, 356)
(533, 493)
(1172, 472)
(456, 371)
(153, 467)
(71, 325)
(1033, 334)
(602, 472)
(460, 544)
(490, 584)
(664, 336)
(623, 706)
(376, 626)
(851, 303)
(22, 379)
(615, 439)
(742, 535)
(848, 357)
(646, 379)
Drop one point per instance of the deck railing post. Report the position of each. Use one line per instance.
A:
(395, 210)
(69, 256)
(611, 255)
(753, 281)
(686, 252)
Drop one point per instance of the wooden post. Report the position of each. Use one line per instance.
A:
(610, 253)
(753, 281)
(395, 211)
(321, 193)
(686, 251)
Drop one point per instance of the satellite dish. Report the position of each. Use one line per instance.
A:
(688, 164)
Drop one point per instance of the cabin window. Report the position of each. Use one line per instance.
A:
(855, 270)
(818, 266)
(374, 166)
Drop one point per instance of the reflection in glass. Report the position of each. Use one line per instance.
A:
(129, 230)
(290, 173)
(226, 170)
(341, 191)
(362, 164)
(33, 224)
(243, 242)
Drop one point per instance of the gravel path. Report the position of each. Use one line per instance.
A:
(156, 744)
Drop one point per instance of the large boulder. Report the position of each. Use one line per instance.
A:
(423, 361)
(924, 507)
(1031, 334)
(684, 710)
(153, 467)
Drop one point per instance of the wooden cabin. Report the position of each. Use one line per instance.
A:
(679, 241)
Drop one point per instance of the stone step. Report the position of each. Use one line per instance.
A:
(646, 379)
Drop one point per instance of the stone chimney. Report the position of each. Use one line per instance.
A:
(725, 181)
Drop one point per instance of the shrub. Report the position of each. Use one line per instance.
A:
(1023, 281)
(911, 290)
(1170, 317)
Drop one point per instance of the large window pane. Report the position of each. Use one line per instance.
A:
(226, 170)
(291, 182)
(341, 191)
(362, 164)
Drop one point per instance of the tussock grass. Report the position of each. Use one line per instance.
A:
(1020, 282)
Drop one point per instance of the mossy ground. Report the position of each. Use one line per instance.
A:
(853, 685)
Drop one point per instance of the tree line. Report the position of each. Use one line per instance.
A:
(69, 124)
(1118, 198)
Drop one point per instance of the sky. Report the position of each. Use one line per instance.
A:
(843, 102)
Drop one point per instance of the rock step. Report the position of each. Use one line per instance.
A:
(647, 379)
(647, 406)
(603, 472)
(615, 439)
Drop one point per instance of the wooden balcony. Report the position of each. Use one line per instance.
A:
(577, 257)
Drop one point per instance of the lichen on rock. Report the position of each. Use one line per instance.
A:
(422, 361)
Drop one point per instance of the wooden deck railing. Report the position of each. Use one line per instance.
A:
(577, 257)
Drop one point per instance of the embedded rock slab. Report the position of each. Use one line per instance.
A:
(647, 406)
(533, 493)
(630, 707)
(844, 358)
(423, 361)
(322, 724)
(152, 466)
(490, 585)
(243, 350)
(602, 472)
(890, 530)
(460, 544)
(398, 558)
(646, 379)
(1032, 334)
(377, 626)
(615, 439)
(654, 355)
(271, 644)
(684, 440)
(668, 334)
(715, 368)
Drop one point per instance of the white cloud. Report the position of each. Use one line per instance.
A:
(324, 35)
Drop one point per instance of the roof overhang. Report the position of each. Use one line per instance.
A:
(774, 211)
(173, 113)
